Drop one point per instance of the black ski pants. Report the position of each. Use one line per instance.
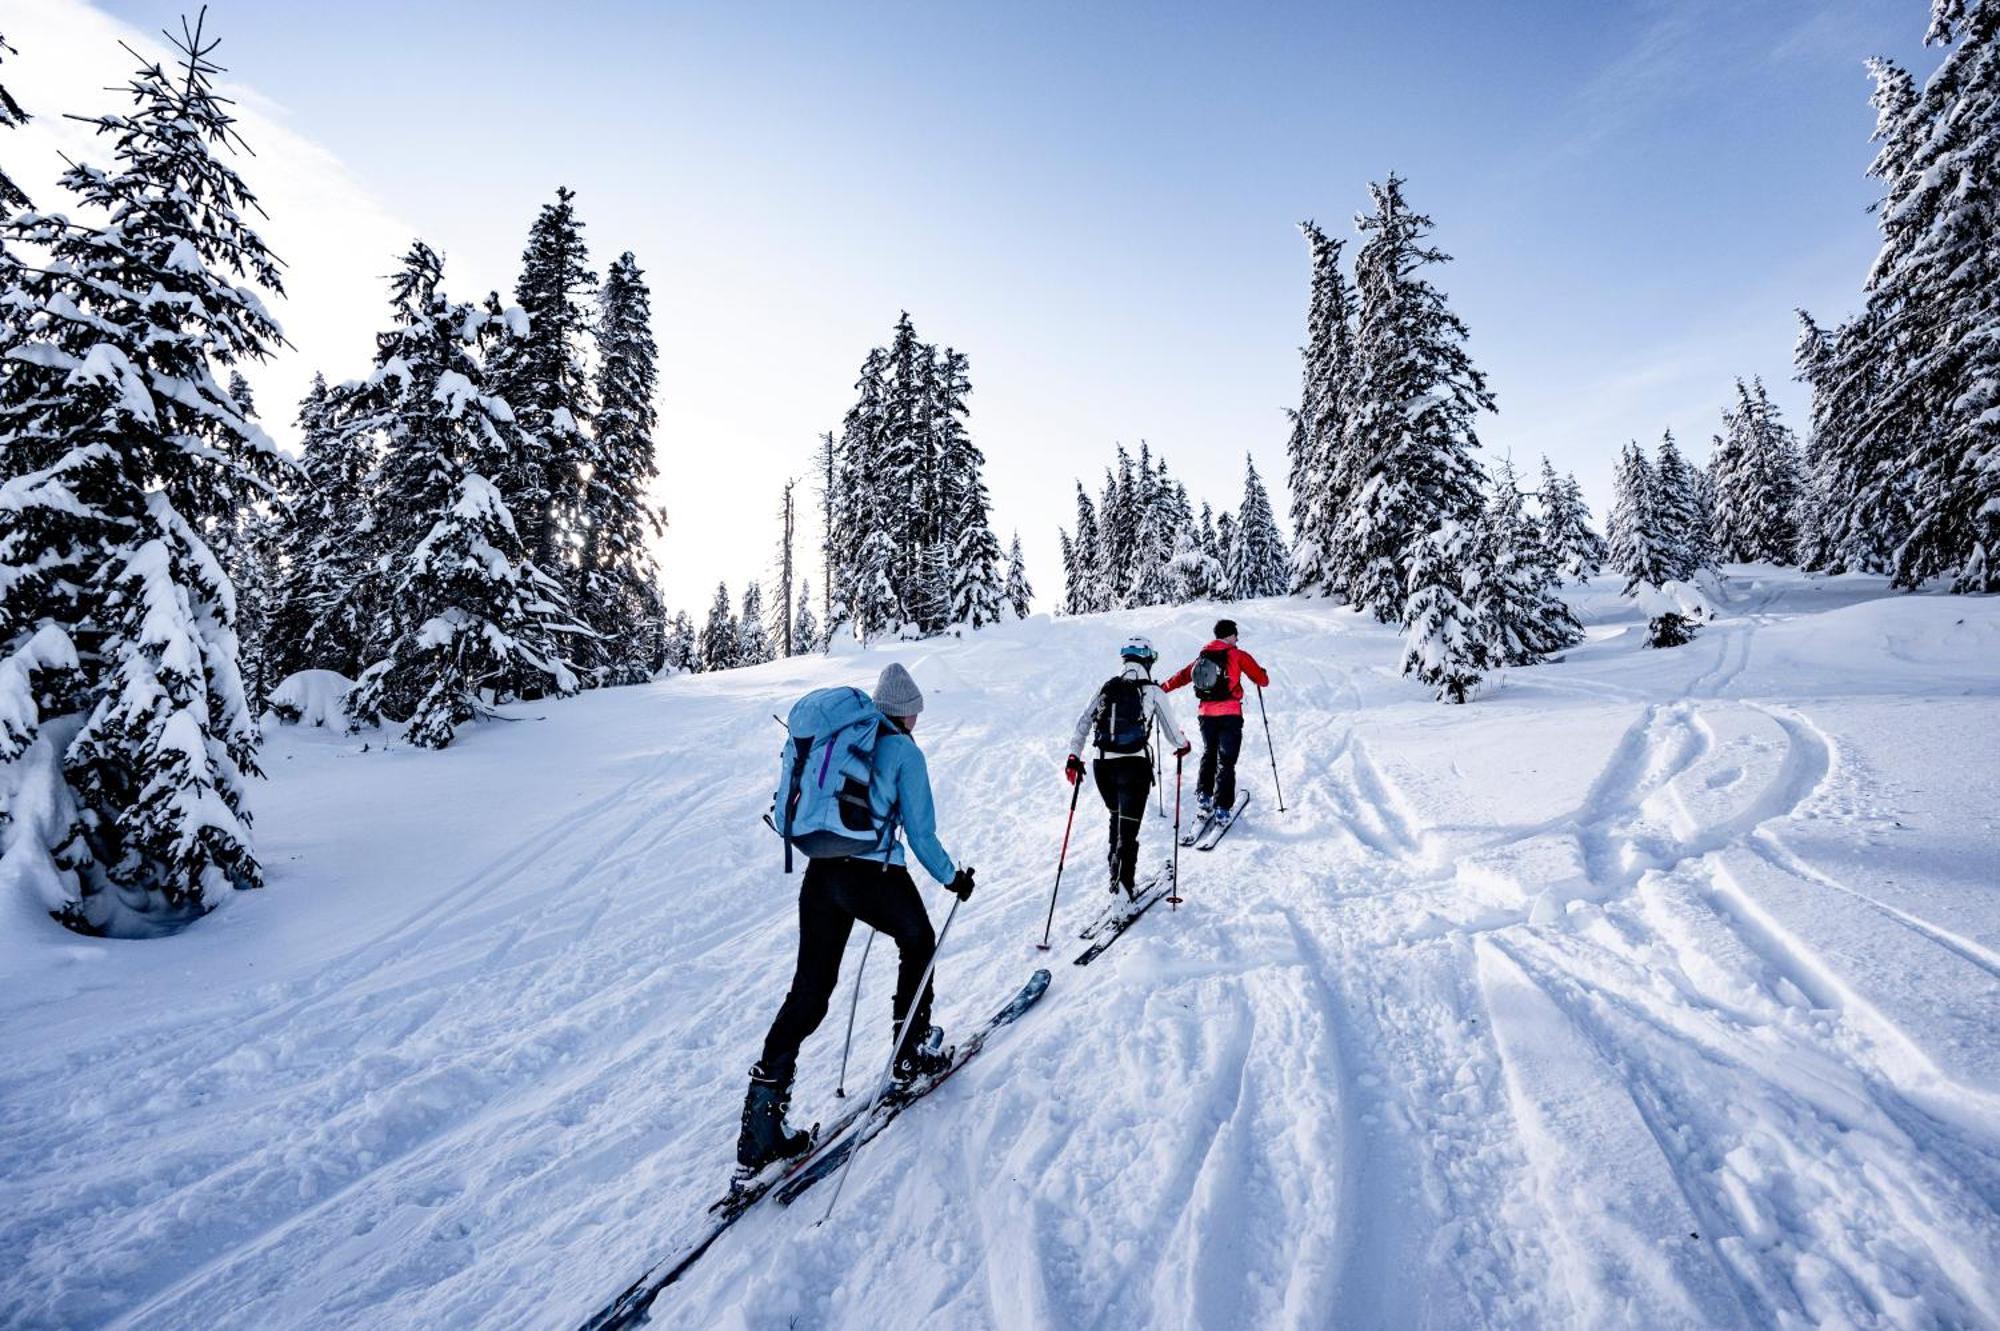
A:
(1125, 784)
(833, 896)
(1221, 741)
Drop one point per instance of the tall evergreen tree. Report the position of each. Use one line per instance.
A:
(1683, 529)
(541, 375)
(753, 639)
(1442, 646)
(720, 639)
(1090, 586)
(1257, 564)
(464, 615)
(1322, 471)
(1906, 413)
(1640, 552)
(682, 652)
(1757, 480)
(328, 607)
(1415, 396)
(1577, 548)
(1520, 615)
(618, 594)
(1020, 596)
(805, 624)
(121, 704)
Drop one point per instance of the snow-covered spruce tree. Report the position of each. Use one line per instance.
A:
(1020, 596)
(1683, 528)
(1442, 646)
(1322, 474)
(326, 609)
(618, 592)
(1089, 590)
(720, 638)
(682, 652)
(805, 624)
(965, 537)
(540, 373)
(122, 714)
(12, 196)
(1520, 615)
(1194, 573)
(1160, 522)
(1577, 548)
(464, 616)
(1415, 394)
(1639, 553)
(1757, 482)
(1257, 562)
(248, 548)
(1225, 542)
(753, 640)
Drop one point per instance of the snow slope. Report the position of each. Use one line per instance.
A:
(1655, 989)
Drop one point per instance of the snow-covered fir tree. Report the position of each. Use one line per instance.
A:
(805, 624)
(326, 608)
(1322, 471)
(719, 636)
(1639, 550)
(1086, 588)
(1257, 558)
(1442, 646)
(1578, 549)
(910, 546)
(121, 703)
(753, 638)
(540, 372)
(1683, 520)
(1020, 595)
(1413, 399)
(1520, 615)
(249, 549)
(1906, 417)
(464, 617)
(681, 651)
(1757, 482)
(618, 592)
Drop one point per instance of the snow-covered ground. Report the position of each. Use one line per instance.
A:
(1654, 989)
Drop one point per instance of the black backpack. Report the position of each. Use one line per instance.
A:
(1211, 675)
(1121, 720)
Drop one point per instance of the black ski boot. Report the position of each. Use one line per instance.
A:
(925, 1059)
(765, 1138)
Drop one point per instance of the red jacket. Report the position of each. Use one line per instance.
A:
(1240, 663)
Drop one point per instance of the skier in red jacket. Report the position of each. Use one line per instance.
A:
(1217, 675)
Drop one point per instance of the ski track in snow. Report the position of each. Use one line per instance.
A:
(1656, 989)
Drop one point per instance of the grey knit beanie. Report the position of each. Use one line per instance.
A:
(896, 693)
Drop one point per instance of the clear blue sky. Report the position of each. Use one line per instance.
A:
(1097, 203)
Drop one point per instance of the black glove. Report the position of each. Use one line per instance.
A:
(1184, 750)
(961, 885)
(1073, 769)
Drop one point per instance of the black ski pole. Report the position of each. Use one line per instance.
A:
(923, 987)
(1268, 749)
(1174, 901)
(1076, 789)
(840, 1088)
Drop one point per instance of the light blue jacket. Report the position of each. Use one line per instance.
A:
(901, 784)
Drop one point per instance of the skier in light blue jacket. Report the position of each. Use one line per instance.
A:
(876, 889)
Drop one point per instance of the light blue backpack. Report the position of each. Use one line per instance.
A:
(821, 805)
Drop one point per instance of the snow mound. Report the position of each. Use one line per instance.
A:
(312, 698)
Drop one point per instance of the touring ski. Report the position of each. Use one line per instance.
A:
(1121, 906)
(835, 1143)
(1215, 833)
(1200, 829)
(1158, 890)
(896, 1099)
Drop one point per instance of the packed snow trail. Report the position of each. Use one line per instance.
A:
(1653, 989)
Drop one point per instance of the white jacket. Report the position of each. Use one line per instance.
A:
(1150, 698)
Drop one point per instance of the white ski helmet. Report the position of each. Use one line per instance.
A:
(1138, 647)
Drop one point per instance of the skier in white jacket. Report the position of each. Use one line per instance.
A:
(1120, 721)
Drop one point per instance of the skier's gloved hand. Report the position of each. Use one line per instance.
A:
(961, 885)
(1184, 750)
(1073, 770)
